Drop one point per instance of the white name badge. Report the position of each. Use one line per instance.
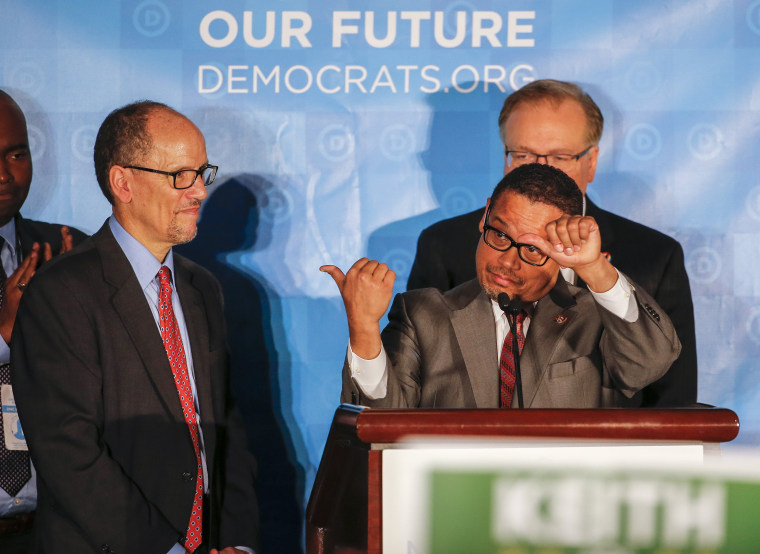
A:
(14, 436)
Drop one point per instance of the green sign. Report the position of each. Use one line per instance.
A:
(585, 512)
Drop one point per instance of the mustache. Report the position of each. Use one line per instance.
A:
(505, 273)
(191, 204)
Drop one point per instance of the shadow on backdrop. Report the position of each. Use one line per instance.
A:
(231, 222)
(464, 163)
(626, 192)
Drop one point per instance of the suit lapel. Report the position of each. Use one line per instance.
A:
(550, 319)
(26, 236)
(475, 331)
(197, 329)
(128, 300)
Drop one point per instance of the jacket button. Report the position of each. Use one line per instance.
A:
(187, 476)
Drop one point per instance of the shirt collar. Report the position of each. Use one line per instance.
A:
(498, 313)
(8, 232)
(144, 263)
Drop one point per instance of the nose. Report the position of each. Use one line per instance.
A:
(509, 258)
(5, 175)
(544, 156)
(198, 190)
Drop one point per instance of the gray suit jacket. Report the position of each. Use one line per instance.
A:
(442, 353)
(100, 409)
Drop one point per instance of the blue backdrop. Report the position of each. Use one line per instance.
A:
(342, 128)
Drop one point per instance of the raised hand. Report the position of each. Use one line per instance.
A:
(574, 241)
(366, 289)
(14, 288)
(67, 243)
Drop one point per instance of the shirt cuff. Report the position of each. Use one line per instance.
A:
(370, 375)
(620, 299)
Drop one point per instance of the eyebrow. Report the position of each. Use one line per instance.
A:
(19, 146)
(496, 219)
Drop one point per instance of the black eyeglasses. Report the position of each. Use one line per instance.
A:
(499, 240)
(185, 178)
(516, 158)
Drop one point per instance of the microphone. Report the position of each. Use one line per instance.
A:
(511, 307)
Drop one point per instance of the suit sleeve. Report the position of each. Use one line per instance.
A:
(58, 385)
(635, 354)
(678, 387)
(239, 524)
(240, 512)
(403, 365)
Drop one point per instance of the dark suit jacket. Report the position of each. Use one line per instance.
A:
(446, 258)
(441, 351)
(30, 231)
(101, 413)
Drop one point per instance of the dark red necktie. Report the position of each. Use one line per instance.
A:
(176, 353)
(507, 363)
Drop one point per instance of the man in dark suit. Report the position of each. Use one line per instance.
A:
(24, 244)
(583, 347)
(120, 364)
(555, 122)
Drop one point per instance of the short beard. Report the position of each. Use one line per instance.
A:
(181, 235)
(491, 293)
(494, 293)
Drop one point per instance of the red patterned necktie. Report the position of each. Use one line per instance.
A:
(176, 353)
(507, 363)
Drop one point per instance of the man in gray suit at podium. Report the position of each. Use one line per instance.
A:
(581, 347)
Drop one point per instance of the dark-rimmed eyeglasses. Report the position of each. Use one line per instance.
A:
(184, 178)
(516, 158)
(499, 240)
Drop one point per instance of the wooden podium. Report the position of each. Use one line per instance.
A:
(344, 513)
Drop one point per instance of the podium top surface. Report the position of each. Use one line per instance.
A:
(702, 424)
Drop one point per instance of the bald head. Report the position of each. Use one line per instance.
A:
(124, 138)
(140, 152)
(15, 158)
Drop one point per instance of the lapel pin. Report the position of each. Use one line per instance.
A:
(559, 319)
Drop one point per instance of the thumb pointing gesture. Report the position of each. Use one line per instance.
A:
(338, 276)
(366, 290)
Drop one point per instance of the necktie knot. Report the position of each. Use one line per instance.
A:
(520, 319)
(165, 276)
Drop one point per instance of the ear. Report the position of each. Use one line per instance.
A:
(504, 150)
(121, 185)
(483, 219)
(593, 156)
